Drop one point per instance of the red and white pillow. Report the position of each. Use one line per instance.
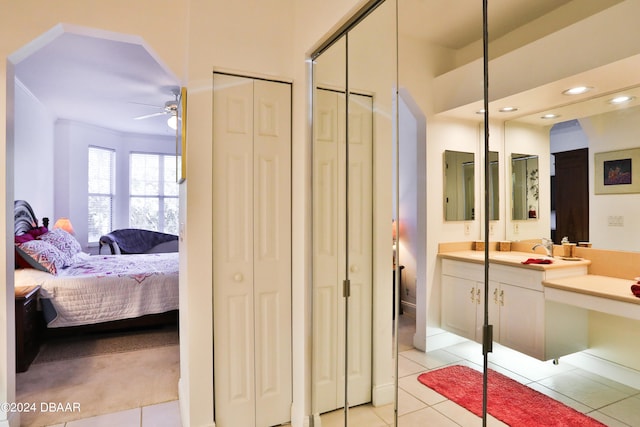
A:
(42, 255)
(63, 241)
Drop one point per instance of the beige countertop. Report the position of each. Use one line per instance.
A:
(598, 286)
(513, 258)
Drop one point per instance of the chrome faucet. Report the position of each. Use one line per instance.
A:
(547, 244)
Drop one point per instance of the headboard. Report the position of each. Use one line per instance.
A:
(24, 218)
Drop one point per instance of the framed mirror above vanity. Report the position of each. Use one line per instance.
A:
(459, 186)
(525, 186)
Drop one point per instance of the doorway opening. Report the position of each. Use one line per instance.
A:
(412, 236)
(73, 89)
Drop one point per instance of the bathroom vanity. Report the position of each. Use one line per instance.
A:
(523, 318)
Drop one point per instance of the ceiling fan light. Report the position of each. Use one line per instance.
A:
(172, 122)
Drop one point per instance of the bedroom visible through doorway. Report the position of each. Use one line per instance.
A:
(108, 92)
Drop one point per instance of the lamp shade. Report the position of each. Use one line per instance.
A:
(64, 224)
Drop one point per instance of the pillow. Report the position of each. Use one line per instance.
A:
(43, 256)
(63, 241)
(22, 238)
(35, 232)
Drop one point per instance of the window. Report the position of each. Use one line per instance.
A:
(101, 191)
(153, 192)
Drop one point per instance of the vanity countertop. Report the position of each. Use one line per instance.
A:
(611, 288)
(513, 258)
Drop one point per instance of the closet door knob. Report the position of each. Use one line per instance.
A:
(238, 277)
(354, 268)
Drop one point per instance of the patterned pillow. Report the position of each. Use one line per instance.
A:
(43, 256)
(63, 241)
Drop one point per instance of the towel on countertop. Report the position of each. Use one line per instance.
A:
(537, 261)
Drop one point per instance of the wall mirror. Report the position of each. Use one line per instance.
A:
(459, 186)
(494, 186)
(525, 186)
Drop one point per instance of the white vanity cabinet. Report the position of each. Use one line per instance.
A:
(521, 320)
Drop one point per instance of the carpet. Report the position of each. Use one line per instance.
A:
(509, 401)
(100, 384)
(89, 345)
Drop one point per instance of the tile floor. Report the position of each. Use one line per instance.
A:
(160, 415)
(611, 402)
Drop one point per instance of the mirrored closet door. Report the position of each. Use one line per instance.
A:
(354, 84)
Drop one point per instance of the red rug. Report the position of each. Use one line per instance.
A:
(509, 401)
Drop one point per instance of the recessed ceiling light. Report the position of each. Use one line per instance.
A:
(621, 99)
(577, 90)
(508, 109)
(550, 116)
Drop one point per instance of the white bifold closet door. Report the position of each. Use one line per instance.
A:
(331, 247)
(252, 251)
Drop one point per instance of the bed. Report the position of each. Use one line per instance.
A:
(92, 292)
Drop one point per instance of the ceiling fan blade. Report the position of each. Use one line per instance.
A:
(146, 105)
(146, 116)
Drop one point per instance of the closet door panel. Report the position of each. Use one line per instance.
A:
(360, 246)
(327, 283)
(233, 276)
(272, 251)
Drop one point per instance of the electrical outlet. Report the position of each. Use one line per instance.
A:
(516, 228)
(491, 226)
(467, 228)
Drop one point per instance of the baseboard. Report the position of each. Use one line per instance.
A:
(383, 394)
(299, 421)
(184, 409)
(408, 308)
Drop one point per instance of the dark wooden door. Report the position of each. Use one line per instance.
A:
(571, 194)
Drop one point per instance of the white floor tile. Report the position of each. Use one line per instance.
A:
(425, 417)
(129, 418)
(626, 411)
(162, 415)
(584, 390)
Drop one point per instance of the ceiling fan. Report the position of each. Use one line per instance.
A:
(170, 108)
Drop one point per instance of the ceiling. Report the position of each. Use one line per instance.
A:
(455, 24)
(103, 82)
(109, 82)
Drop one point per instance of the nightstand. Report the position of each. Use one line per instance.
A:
(27, 326)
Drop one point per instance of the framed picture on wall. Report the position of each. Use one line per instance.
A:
(617, 172)
(181, 138)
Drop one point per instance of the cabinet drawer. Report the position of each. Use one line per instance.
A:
(465, 270)
(516, 276)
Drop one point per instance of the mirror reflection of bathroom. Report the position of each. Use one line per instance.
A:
(459, 186)
(525, 186)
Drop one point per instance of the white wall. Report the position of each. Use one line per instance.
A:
(34, 153)
(613, 131)
(72, 141)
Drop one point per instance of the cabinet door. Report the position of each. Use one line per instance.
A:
(522, 320)
(460, 305)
